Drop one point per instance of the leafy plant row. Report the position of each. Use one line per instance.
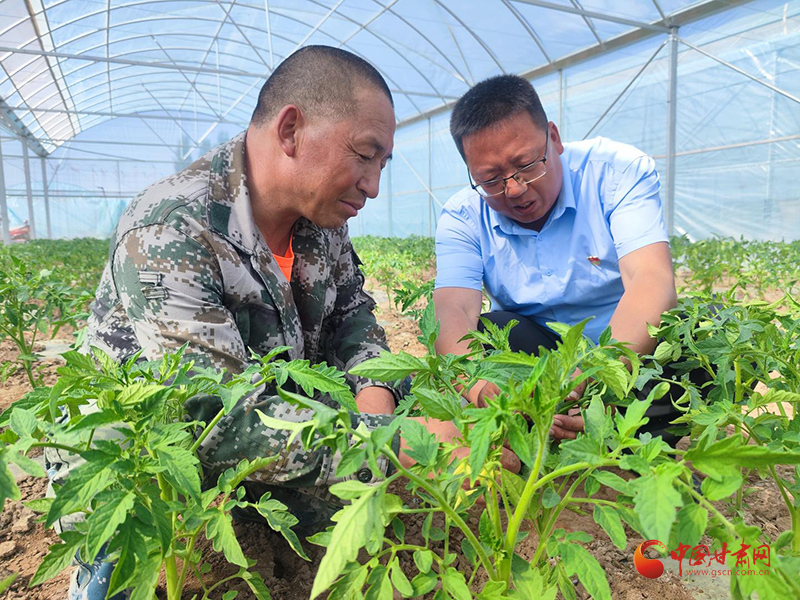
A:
(145, 504)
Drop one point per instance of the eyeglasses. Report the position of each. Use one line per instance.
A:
(525, 175)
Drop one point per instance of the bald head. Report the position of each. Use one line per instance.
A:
(321, 81)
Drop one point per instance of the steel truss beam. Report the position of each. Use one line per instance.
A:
(683, 17)
(660, 28)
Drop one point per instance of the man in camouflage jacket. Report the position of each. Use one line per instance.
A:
(193, 262)
(189, 266)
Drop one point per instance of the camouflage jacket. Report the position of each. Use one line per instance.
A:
(189, 266)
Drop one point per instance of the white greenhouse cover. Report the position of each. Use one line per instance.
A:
(117, 94)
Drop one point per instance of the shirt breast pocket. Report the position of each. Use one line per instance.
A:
(260, 327)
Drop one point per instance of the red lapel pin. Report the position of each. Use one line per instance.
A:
(595, 260)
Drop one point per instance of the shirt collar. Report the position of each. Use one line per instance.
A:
(565, 200)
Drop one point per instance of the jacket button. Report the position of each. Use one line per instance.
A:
(364, 475)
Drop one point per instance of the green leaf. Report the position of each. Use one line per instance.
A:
(389, 367)
(480, 438)
(399, 580)
(583, 448)
(550, 498)
(597, 421)
(422, 445)
(656, 501)
(529, 585)
(23, 422)
(399, 529)
(6, 583)
(145, 578)
(181, 470)
(455, 584)
(351, 461)
(613, 481)
(578, 561)
(691, 524)
(39, 505)
(231, 395)
(354, 526)
(609, 520)
(633, 418)
(160, 516)
(715, 490)
(111, 510)
(257, 585)
(219, 530)
(58, 558)
(230, 595)
(438, 405)
(8, 485)
(82, 484)
(322, 378)
(424, 560)
(424, 583)
(726, 457)
(281, 520)
(131, 546)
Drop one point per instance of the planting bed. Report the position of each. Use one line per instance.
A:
(23, 541)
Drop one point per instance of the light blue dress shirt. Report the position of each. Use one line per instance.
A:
(609, 206)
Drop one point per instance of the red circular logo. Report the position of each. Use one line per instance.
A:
(648, 567)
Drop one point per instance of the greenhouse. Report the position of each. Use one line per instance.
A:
(577, 379)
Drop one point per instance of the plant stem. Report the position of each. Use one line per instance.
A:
(441, 500)
(187, 560)
(520, 511)
(699, 497)
(170, 563)
(65, 448)
(206, 431)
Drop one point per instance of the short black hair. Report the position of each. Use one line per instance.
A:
(321, 81)
(494, 100)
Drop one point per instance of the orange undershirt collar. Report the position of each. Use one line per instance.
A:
(285, 262)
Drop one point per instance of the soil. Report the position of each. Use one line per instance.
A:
(24, 541)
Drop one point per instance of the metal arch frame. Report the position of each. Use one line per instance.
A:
(469, 30)
(316, 27)
(98, 98)
(586, 20)
(214, 44)
(458, 74)
(660, 28)
(390, 47)
(367, 23)
(527, 26)
(88, 95)
(184, 68)
(130, 62)
(683, 17)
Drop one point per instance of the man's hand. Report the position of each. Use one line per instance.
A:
(446, 432)
(486, 390)
(567, 427)
(375, 400)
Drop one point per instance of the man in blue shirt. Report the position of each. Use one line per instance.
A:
(553, 231)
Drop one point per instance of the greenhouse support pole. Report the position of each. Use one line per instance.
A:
(430, 180)
(389, 195)
(768, 202)
(3, 202)
(46, 194)
(561, 101)
(669, 207)
(27, 165)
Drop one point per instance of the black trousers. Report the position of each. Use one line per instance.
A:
(528, 336)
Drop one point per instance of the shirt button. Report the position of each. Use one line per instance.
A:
(364, 475)
(548, 272)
